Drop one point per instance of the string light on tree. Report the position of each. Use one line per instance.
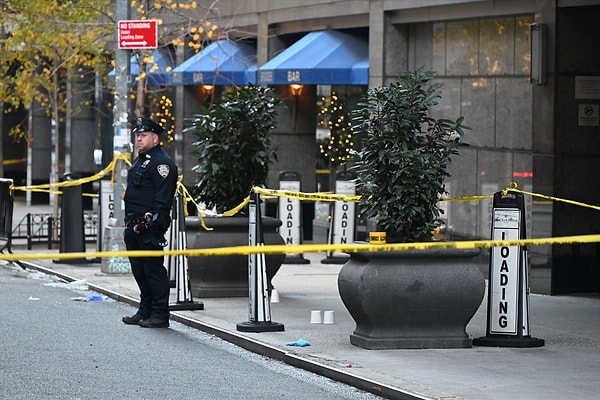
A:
(334, 116)
(165, 118)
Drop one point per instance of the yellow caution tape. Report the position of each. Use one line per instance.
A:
(49, 187)
(203, 212)
(330, 196)
(468, 198)
(14, 161)
(326, 196)
(238, 208)
(187, 197)
(513, 187)
(310, 248)
(320, 196)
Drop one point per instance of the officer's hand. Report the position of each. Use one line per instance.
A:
(139, 228)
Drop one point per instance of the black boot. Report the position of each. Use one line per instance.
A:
(154, 323)
(133, 320)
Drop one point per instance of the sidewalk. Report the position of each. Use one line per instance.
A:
(568, 366)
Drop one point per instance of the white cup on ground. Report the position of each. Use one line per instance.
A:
(316, 317)
(274, 296)
(328, 317)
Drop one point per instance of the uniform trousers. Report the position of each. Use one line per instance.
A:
(151, 276)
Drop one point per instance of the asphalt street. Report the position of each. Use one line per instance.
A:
(60, 342)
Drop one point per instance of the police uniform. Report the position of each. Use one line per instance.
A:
(151, 185)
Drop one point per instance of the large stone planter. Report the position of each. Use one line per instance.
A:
(412, 299)
(226, 276)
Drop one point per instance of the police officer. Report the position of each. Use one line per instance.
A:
(151, 185)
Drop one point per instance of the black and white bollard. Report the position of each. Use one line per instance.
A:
(508, 287)
(342, 226)
(259, 310)
(184, 299)
(290, 214)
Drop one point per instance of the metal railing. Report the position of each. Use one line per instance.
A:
(37, 228)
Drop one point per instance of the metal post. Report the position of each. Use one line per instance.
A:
(122, 137)
(50, 230)
(29, 244)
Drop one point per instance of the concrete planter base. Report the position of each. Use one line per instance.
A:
(226, 276)
(412, 299)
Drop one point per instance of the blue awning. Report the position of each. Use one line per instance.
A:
(157, 69)
(221, 63)
(320, 58)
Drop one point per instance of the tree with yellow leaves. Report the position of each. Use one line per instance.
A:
(45, 42)
(44, 45)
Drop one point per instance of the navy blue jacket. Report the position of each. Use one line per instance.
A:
(151, 185)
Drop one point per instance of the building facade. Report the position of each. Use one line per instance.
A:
(525, 74)
(522, 73)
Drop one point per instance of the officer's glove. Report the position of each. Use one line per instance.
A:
(162, 219)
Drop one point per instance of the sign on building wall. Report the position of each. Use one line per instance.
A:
(587, 87)
(589, 115)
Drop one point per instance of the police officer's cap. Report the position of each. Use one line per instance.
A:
(146, 125)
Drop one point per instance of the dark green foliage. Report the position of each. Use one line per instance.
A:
(234, 148)
(404, 156)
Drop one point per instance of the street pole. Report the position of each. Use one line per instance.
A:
(122, 135)
(112, 234)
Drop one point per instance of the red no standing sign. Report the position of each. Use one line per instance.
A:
(137, 34)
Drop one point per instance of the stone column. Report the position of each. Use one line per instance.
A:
(388, 47)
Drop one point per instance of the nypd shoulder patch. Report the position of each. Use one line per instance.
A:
(163, 170)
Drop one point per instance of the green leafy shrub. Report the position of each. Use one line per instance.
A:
(404, 156)
(234, 147)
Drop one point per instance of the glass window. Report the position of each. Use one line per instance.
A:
(497, 46)
(462, 44)
(522, 39)
(482, 47)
